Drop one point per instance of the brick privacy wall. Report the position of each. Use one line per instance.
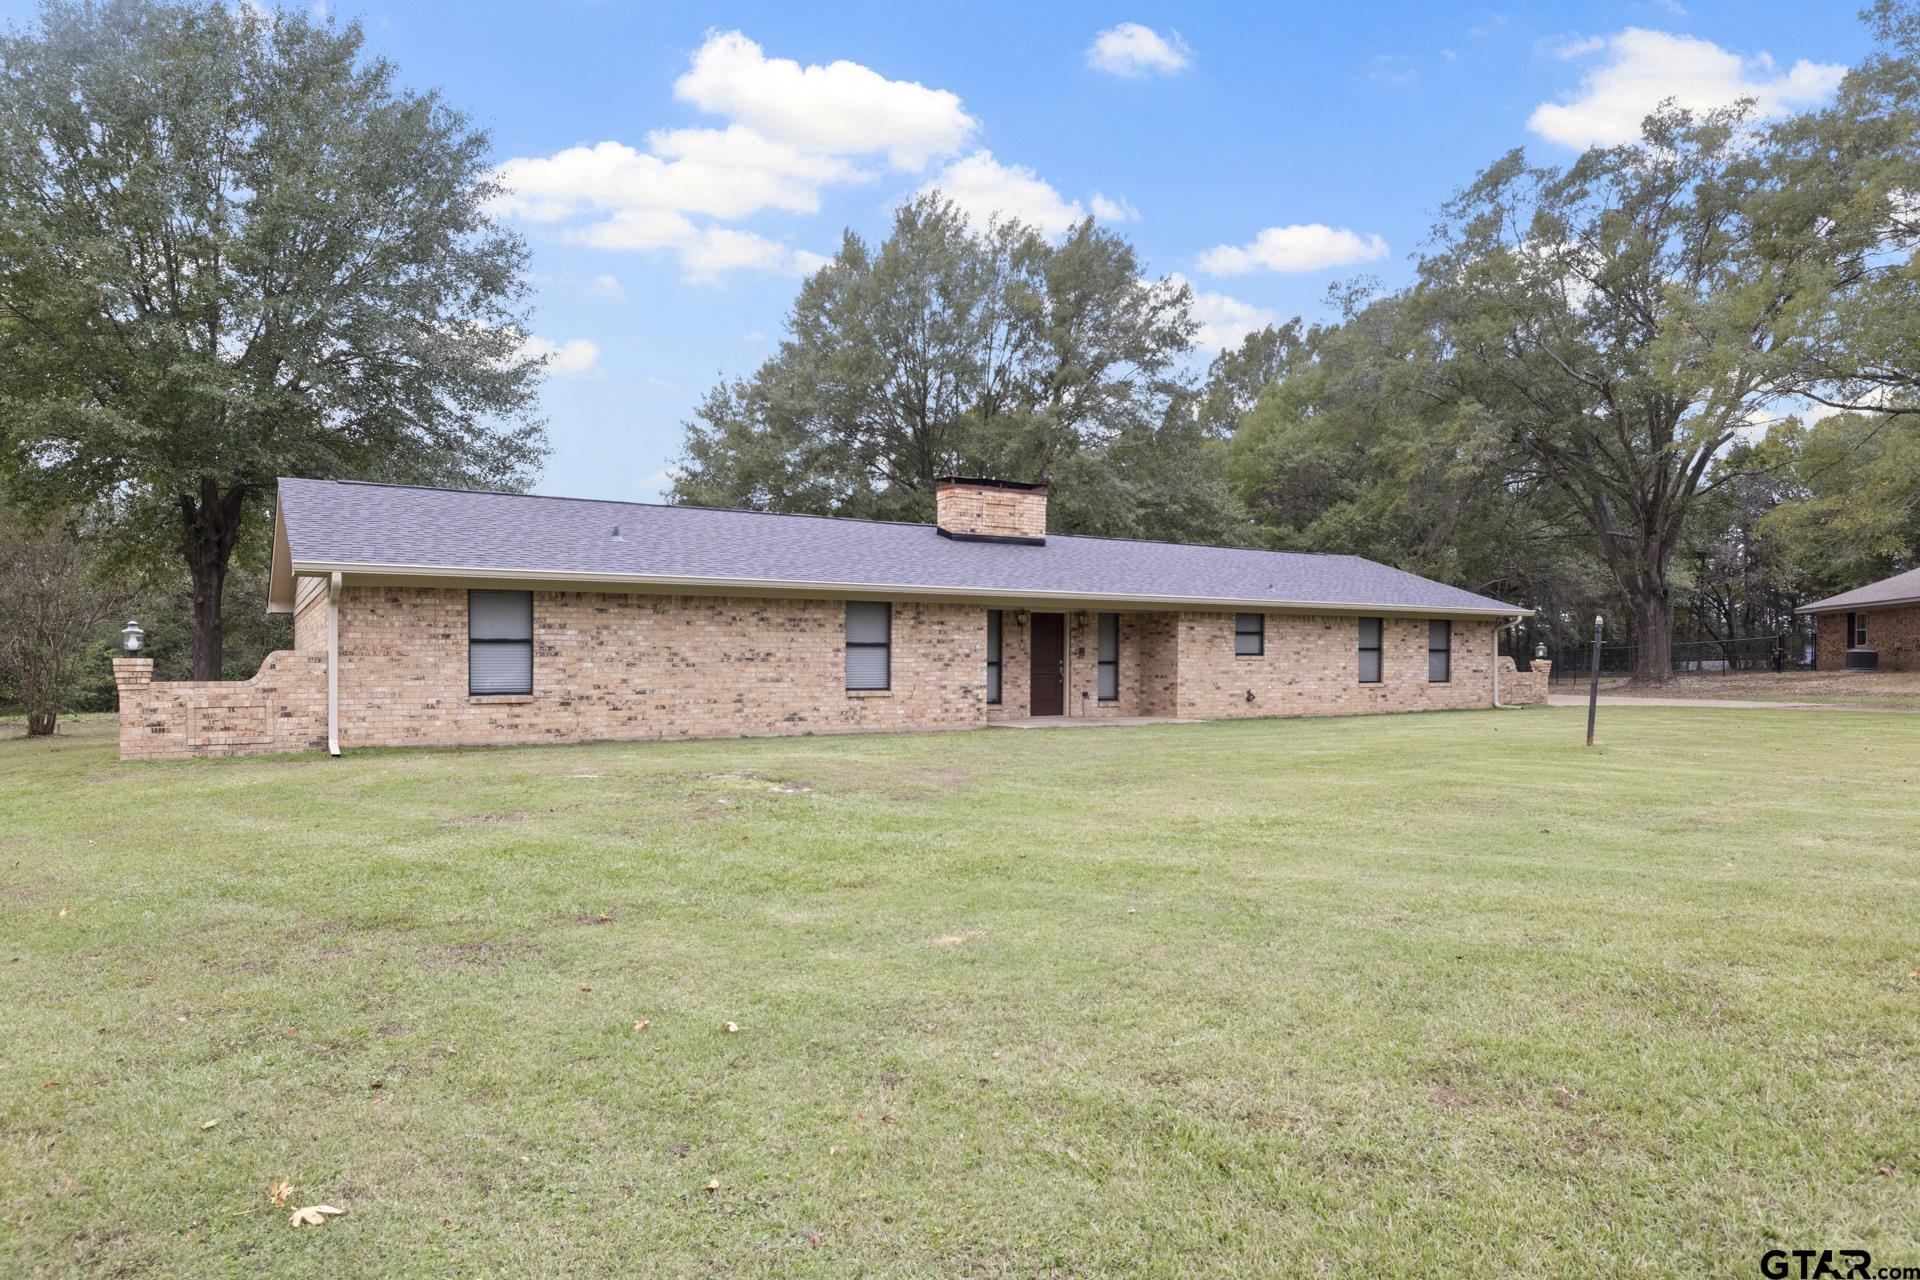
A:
(283, 707)
(1311, 666)
(1525, 688)
(636, 666)
(310, 613)
(999, 513)
(1895, 633)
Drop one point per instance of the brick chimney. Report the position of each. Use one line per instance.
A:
(974, 510)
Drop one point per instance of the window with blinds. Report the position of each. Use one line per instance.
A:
(993, 657)
(499, 642)
(869, 644)
(1109, 657)
(1439, 651)
(1249, 634)
(1370, 650)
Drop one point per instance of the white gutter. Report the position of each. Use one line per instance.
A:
(333, 665)
(858, 590)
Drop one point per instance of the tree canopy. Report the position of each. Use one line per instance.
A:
(950, 349)
(232, 247)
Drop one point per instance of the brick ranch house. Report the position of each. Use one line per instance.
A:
(429, 616)
(1881, 619)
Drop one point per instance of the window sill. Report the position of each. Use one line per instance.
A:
(499, 699)
(869, 693)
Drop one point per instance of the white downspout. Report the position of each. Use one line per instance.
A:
(1496, 663)
(333, 665)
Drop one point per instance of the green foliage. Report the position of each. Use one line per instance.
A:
(231, 248)
(950, 349)
(54, 614)
(1850, 497)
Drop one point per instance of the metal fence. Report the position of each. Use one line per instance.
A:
(1690, 657)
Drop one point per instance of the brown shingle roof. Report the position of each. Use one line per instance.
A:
(1901, 588)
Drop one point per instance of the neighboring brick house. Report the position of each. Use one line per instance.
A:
(429, 616)
(1879, 624)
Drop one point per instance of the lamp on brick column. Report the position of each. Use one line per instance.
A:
(1540, 651)
(131, 637)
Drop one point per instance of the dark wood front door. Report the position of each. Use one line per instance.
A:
(1048, 696)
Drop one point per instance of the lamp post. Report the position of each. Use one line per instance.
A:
(1593, 688)
(131, 638)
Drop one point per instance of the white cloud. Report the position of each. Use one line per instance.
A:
(1131, 49)
(1313, 246)
(567, 359)
(705, 252)
(790, 132)
(1640, 69)
(753, 335)
(983, 188)
(659, 482)
(1224, 321)
(841, 108)
(607, 287)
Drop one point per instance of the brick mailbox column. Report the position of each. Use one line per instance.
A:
(132, 674)
(131, 678)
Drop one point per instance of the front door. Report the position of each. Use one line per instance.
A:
(1048, 695)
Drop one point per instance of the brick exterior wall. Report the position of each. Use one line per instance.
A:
(632, 666)
(990, 511)
(283, 707)
(1894, 632)
(639, 666)
(1311, 666)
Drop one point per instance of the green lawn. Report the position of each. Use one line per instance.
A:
(1391, 995)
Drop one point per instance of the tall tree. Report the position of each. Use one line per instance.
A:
(52, 605)
(1617, 324)
(950, 348)
(231, 248)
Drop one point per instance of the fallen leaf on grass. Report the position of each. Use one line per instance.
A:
(713, 1185)
(313, 1215)
(641, 1024)
(209, 1124)
(278, 1191)
(65, 912)
(1884, 1170)
(730, 1027)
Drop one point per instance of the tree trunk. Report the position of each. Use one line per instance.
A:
(40, 724)
(210, 525)
(1652, 624)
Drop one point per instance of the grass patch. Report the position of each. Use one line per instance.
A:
(1392, 995)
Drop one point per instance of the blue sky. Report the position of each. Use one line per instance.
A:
(678, 165)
